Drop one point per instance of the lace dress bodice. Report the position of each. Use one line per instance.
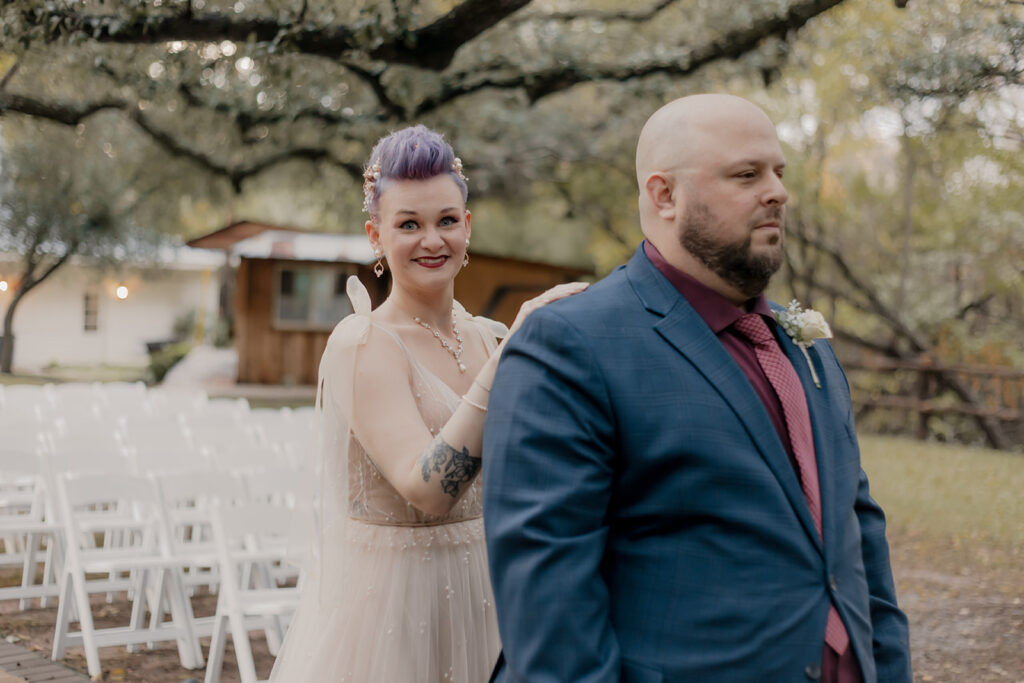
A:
(372, 498)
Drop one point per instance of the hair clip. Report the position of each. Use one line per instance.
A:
(370, 177)
(457, 169)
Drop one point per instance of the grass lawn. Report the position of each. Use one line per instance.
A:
(950, 496)
(74, 373)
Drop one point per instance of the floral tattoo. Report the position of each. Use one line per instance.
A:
(455, 467)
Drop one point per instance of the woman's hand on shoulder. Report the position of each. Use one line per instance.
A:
(554, 294)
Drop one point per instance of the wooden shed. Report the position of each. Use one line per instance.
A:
(289, 292)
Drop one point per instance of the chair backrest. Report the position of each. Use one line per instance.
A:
(284, 486)
(174, 401)
(92, 504)
(98, 453)
(23, 490)
(253, 520)
(159, 445)
(32, 394)
(186, 502)
(249, 458)
(180, 489)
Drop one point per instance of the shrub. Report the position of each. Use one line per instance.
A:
(162, 360)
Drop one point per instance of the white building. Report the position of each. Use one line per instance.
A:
(82, 315)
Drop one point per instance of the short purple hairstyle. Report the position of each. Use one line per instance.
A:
(413, 153)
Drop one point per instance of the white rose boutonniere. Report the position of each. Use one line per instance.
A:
(804, 326)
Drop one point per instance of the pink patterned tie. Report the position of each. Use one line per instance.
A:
(790, 391)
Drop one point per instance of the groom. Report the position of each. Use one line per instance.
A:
(668, 493)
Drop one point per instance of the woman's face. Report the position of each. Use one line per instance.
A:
(423, 227)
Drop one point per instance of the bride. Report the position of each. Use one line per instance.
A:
(398, 589)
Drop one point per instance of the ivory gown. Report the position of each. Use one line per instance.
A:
(395, 595)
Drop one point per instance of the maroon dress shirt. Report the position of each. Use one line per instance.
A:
(719, 313)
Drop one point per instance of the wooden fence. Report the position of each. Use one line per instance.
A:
(963, 403)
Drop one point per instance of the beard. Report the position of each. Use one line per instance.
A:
(734, 262)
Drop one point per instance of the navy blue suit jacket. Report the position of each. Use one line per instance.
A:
(643, 520)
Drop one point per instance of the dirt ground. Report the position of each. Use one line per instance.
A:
(966, 611)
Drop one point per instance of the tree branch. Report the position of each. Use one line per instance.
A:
(68, 114)
(371, 76)
(9, 75)
(431, 47)
(539, 84)
(73, 115)
(630, 15)
(434, 45)
(72, 248)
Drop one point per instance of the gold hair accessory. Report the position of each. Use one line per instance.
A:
(372, 174)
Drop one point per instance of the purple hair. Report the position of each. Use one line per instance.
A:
(414, 153)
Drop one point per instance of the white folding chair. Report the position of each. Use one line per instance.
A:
(26, 403)
(27, 518)
(164, 401)
(161, 445)
(186, 501)
(123, 507)
(28, 394)
(249, 535)
(245, 459)
(96, 453)
(118, 396)
(293, 436)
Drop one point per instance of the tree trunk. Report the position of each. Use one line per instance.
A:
(7, 345)
(26, 283)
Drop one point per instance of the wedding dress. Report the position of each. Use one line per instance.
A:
(391, 594)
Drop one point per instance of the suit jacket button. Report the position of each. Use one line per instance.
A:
(812, 671)
(832, 583)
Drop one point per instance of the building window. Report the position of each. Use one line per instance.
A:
(311, 297)
(90, 312)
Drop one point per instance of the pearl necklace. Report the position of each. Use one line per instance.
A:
(456, 353)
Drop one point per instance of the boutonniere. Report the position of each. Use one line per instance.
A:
(804, 326)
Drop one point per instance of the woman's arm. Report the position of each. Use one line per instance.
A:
(431, 471)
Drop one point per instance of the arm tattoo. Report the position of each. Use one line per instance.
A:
(455, 467)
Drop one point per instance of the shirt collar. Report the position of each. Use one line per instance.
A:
(716, 310)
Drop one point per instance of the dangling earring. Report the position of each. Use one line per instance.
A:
(465, 258)
(378, 269)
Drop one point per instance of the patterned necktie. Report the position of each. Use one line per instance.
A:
(787, 386)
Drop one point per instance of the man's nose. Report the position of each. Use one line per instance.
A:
(776, 193)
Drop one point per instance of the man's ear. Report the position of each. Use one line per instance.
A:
(660, 189)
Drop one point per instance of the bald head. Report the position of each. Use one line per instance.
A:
(682, 131)
(712, 200)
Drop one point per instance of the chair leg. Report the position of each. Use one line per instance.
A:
(263, 577)
(243, 649)
(215, 659)
(64, 610)
(49, 573)
(189, 650)
(28, 567)
(92, 654)
(156, 607)
(138, 608)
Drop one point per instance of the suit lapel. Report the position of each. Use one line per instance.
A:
(819, 410)
(682, 327)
